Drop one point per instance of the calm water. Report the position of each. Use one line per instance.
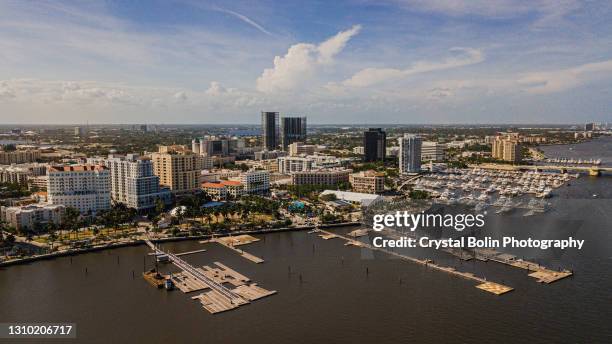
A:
(337, 302)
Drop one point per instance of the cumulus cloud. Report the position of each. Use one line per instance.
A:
(371, 76)
(301, 62)
(180, 96)
(215, 89)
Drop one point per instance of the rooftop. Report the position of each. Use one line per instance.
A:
(76, 168)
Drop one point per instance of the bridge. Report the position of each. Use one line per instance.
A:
(408, 181)
(591, 170)
(197, 274)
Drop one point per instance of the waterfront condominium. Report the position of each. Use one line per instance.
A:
(409, 154)
(374, 145)
(32, 216)
(83, 187)
(178, 168)
(293, 129)
(134, 184)
(270, 132)
(507, 148)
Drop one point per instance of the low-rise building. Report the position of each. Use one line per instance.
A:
(368, 182)
(432, 151)
(299, 148)
(33, 216)
(19, 156)
(221, 190)
(363, 199)
(320, 177)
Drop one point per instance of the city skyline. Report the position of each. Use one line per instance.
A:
(395, 62)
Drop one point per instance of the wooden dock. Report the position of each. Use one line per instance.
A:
(327, 236)
(358, 233)
(213, 301)
(232, 242)
(190, 252)
(253, 292)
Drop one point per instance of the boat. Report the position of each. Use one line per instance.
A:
(168, 284)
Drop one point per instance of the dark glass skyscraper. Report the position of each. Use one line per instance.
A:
(269, 124)
(293, 129)
(374, 144)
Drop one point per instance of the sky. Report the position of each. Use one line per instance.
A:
(359, 61)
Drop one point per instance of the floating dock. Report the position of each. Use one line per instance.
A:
(217, 297)
(233, 241)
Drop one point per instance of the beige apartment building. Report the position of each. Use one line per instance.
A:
(178, 168)
(19, 156)
(368, 182)
(320, 177)
(507, 148)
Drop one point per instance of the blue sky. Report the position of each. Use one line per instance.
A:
(385, 61)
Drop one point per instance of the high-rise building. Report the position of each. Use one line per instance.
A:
(177, 168)
(374, 145)
(409, 154)
(83, 187)
(134, 184)
(292, 129)
(512, 151)
(507, 148)
(432, 151)
(195, 146)
(270, 132)
(589, 126)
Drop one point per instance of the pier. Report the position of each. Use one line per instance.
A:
(541, 273)
(232, 241)
(218, 298)
(591, 170)
(491, 287)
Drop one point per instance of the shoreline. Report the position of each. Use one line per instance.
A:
(139, 242)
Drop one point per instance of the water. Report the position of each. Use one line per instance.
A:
(337, 301)
(599, 148)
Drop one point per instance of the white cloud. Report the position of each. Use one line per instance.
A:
(301, 63)
(564, 79)
(215, 89)
(371, 76)
(181, 96)
(500, 9)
